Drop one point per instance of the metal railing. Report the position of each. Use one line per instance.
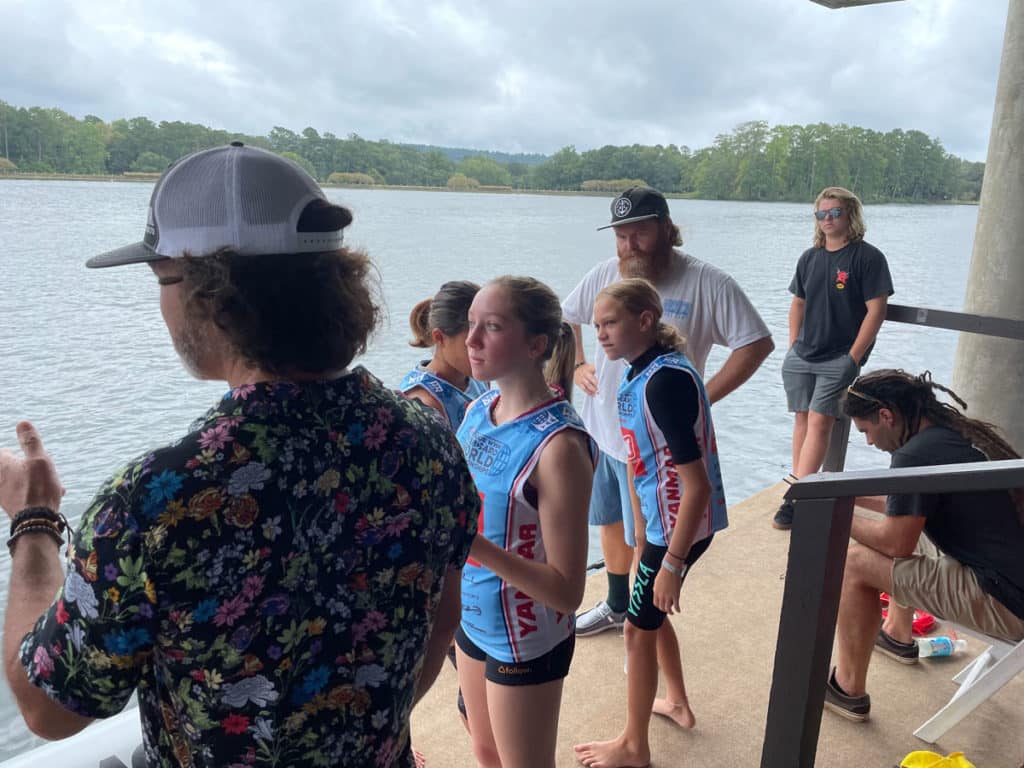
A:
(817, 555)
(810, 601)
(835, 457)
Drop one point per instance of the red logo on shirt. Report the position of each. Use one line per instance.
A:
(841, 278)
(633, 452)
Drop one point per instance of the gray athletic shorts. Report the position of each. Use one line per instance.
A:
(817, 387)
(935, 582)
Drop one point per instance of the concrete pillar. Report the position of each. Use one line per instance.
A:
(989, 372)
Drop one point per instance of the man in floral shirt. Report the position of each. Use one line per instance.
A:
(278, 584)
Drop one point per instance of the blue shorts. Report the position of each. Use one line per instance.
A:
(609, 497)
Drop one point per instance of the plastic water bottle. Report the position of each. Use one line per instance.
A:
(939, 646)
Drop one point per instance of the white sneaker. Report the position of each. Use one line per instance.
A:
(598, 619)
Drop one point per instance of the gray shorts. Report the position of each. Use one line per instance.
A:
(817, 387)
(935, 582)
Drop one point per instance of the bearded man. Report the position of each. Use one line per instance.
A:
(707, 307)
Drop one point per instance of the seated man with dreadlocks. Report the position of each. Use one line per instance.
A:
(968, 569)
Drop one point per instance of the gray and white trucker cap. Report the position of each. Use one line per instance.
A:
(238, 197)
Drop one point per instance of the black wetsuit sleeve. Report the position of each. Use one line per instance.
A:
(673, 399)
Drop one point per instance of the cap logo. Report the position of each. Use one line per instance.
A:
(623, 206)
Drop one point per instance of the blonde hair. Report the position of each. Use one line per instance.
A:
(851, 206)
(539, 310)
(447, 310)
(637, 296)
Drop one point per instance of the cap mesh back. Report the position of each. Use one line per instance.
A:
(236, 197)
(204, 205)
(267, 194)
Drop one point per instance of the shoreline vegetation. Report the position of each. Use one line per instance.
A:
(151, 178)
(754, 162)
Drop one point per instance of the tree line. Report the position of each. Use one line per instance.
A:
(754, 161)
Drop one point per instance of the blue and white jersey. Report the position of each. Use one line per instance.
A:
(654, 472)
(452, 399)
(506, 623)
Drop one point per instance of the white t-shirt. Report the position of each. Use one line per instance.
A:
(701, 301)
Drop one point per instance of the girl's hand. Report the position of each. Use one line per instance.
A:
(666, 591)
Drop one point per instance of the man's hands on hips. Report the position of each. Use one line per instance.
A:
(30, 481)
(585, 378)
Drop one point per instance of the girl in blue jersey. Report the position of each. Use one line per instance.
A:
(678, 503)
(533, 464)
(444, 382)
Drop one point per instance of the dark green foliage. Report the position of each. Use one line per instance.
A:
(753, 162)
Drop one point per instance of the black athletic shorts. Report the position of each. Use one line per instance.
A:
(553, 665)
(642, 613)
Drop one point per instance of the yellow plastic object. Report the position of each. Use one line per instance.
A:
(925, 759)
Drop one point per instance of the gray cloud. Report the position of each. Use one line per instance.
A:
(525, 75)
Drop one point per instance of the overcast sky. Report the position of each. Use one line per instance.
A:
(517, 76)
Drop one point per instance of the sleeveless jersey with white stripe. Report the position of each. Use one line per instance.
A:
(452, 399)
(654, 474)
(504, 622)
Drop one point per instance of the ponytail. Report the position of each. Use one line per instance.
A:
(559, 368)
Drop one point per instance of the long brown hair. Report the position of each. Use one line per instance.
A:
(913, 397)
(447, 310)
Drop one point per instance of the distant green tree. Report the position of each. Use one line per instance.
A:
(562, 171)
(485, 170)
(300, 161)
(149, 162)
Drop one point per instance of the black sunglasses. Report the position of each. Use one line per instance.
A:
(830, 213)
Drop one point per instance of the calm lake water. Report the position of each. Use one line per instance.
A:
(85, 354)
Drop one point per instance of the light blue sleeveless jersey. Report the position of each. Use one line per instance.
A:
(504, 622)
(654, 473)
(452, 399)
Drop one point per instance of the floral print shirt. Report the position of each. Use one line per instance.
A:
(268, 582)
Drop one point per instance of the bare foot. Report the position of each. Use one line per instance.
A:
(681, 714)
(613, 754)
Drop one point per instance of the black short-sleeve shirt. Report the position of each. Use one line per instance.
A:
(836, 286)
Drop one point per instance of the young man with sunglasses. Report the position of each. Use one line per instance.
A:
(840, 291)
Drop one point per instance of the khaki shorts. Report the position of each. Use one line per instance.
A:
(941, 585)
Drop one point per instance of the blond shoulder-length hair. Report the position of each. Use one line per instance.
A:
(852, 208)
(637, 296)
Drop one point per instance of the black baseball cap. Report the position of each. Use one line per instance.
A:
(638, 204)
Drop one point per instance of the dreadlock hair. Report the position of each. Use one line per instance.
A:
(913, 397)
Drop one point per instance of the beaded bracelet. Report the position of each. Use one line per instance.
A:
(582, 362)
(40, 520)
(35, 528)
(37, 513)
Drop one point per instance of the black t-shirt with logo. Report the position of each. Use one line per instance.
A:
(836, 286)
(980, 529)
